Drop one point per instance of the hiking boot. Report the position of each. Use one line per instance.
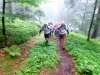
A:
(46, 41)
(63, 48)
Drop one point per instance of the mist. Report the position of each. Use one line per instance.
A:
(53, 10)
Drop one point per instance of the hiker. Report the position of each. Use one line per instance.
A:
(52, 29)
(56, 31)
(51, 26)
(62, 34)
(46, 30)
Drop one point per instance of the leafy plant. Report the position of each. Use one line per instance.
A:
(13, 50)
(21, 31)
(41, 55)
(86, 53)
(2, 40)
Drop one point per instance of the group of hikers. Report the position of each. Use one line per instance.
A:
(59, 30)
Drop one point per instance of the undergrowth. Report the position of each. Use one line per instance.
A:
(86, 54)
(41, 55)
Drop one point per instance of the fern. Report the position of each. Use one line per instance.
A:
(13, 50)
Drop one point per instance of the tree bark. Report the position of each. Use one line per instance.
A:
(96, 28)
(10, 6)
(92, 20)
(3, 19)
(84, 14)
(3, 22)
(39, 16)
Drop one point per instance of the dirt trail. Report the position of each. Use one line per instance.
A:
(66, 66)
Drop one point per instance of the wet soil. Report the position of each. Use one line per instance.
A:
(66, 65)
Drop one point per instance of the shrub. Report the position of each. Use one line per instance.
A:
(86, 53)
(18, 33)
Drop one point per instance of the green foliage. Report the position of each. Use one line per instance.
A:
(42, 54)
(98, 38)
(13, 50)
(20, 31)
(2, 40)
(86, 53)
(35, 3)
(39, 13)
(13, 17)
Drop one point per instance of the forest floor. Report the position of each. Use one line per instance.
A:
(65, 66)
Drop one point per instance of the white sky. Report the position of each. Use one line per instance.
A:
(51, 9)
(53, 5)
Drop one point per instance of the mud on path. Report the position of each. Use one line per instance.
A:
(66, 65)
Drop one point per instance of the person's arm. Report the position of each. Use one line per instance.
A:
(67, 30)
(40, 30)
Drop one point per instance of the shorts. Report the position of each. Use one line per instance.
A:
(47, 35)
(62, 36)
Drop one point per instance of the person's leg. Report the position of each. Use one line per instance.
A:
(60, 39)
(63, 41)
(63, 37)
(46, 40)
(47, 37)
(52, 34)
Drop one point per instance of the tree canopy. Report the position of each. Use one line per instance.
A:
(35, 3)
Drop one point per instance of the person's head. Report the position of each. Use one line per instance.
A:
(62, 23)
(51, 23)
(45, 25)
(48, 23)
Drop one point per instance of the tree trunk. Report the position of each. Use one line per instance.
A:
(3, 22)
(10, 6)
(92, 20)
(39, 16)
(95, 32)
(84, 15)
(96, 28)
(24, 12)
(3, 19)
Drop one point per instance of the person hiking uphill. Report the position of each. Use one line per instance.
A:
(62, 34)
(46, 30)
(56, 31)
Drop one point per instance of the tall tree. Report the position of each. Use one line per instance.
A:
(96, 27)
(3, 19)
(84, 12)
(92, 20)
(40, 14)
(35, 3)
(10, 6)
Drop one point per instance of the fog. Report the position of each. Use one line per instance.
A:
(53, 10)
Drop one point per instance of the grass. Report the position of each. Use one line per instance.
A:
(86, 53)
